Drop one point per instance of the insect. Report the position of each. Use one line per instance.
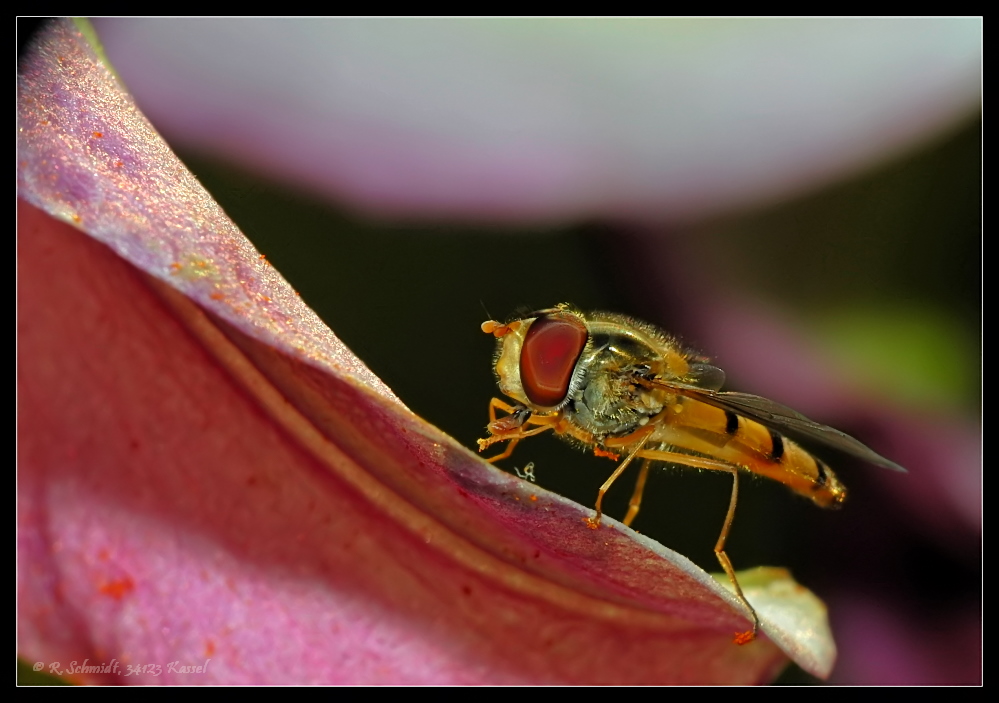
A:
(626, 389)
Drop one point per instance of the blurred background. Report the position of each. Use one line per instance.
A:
(799, 200)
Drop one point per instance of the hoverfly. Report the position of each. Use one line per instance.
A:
(626, 389)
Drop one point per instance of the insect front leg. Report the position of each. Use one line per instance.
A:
(506, 452)
(505, 407)
(510, 428)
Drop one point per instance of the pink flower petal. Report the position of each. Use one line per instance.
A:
(553, 119)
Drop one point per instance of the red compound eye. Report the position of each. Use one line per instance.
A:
(551, 348)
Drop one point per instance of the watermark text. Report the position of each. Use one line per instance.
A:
(119, 668)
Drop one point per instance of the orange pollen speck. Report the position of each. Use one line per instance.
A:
(744, 637)
(217, 296)
(98, 135)
(534, 497)
(117, 588)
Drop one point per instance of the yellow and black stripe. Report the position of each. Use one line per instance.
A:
(740, 441)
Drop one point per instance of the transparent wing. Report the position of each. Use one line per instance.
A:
(783, 419)
(704, 375)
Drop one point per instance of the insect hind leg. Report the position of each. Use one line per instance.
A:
(726, 564)
(750, 635)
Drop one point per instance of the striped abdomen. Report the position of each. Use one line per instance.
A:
(725, 435)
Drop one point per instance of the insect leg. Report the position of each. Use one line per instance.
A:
(715, 465)
(740, 637)
(497, 403)
(513, 438)
(698, 462)
(510, 427)
(636, 497)
(594, 521)
(499, 457)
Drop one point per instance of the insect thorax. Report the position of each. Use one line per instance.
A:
(609, 398)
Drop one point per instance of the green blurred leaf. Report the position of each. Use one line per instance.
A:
(913, 354)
